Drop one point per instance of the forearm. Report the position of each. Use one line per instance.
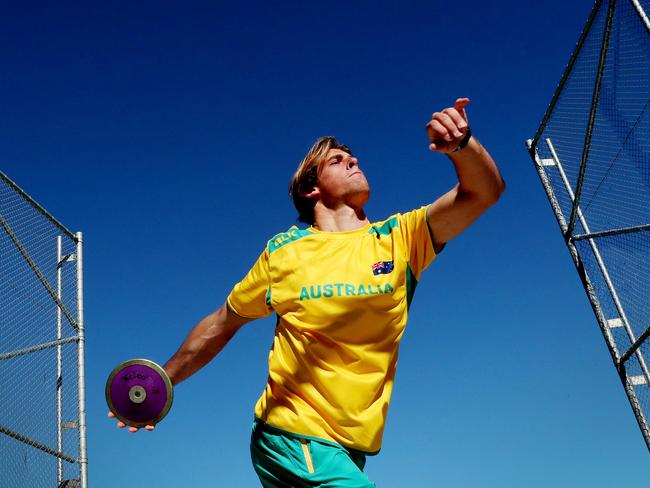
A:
(203, 343)
(479, 182)
(477, 173)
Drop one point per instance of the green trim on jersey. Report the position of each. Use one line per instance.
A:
(411, 284)
(386, 228)
(293, 234)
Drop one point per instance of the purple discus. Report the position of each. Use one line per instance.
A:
(139, 392)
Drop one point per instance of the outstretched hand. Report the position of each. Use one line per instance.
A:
(447, 128)
(121, 424)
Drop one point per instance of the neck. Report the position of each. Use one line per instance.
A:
(341, 219)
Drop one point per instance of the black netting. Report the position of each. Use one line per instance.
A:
(29, 362)
(614, 198)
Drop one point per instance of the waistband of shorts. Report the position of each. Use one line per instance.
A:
(260, 425)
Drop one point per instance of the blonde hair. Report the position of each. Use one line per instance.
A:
(306, 176)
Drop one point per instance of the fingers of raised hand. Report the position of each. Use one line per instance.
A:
(447, 125)
(438, 131)
(447, 128)
(457, 118)
(451, 120)
(459, 106)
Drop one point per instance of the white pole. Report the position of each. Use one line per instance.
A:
(641, 12)
(83, 459)
(601, 264)
(59, 380)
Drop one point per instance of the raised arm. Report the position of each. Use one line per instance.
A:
(479, 182)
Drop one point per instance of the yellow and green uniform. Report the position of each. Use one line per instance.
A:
(341, 300)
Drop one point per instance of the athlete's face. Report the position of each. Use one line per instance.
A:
(341, 180)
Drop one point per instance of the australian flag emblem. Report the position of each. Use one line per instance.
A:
(382, 267)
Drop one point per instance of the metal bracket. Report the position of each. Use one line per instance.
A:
(548, 162)
(68, 258)
(612, 323)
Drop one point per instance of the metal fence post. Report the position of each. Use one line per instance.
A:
(83, 458)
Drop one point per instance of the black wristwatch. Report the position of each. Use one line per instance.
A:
(464, 141)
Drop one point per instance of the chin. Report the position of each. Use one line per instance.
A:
(361, 198)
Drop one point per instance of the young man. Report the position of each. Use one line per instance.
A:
(341, 290)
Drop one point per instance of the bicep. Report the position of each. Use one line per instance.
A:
(452, 213)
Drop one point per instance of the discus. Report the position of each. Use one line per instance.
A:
(139, 392)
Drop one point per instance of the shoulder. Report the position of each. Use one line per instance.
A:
(386, 227)
(398, 220)
(406, 224)
(293, 234)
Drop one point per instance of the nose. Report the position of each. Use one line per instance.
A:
(352, 162)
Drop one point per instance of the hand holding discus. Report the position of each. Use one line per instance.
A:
(139, 394)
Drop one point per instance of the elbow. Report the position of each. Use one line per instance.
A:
(501, 188)
(496, 193)
(487, 195)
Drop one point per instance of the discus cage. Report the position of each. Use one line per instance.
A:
(592, 154)
(42, 399)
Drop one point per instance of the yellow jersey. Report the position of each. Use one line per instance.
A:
(341, 300)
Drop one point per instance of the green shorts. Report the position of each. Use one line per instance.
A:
(283, 460)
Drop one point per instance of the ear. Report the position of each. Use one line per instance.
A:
(314, 193)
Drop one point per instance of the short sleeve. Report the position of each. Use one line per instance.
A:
(251, 297)
(418, 240)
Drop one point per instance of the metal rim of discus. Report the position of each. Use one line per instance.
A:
(135, 394)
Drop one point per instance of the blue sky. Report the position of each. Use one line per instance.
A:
(167, 133)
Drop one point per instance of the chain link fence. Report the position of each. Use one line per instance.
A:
(42, 419)
(592, 153)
